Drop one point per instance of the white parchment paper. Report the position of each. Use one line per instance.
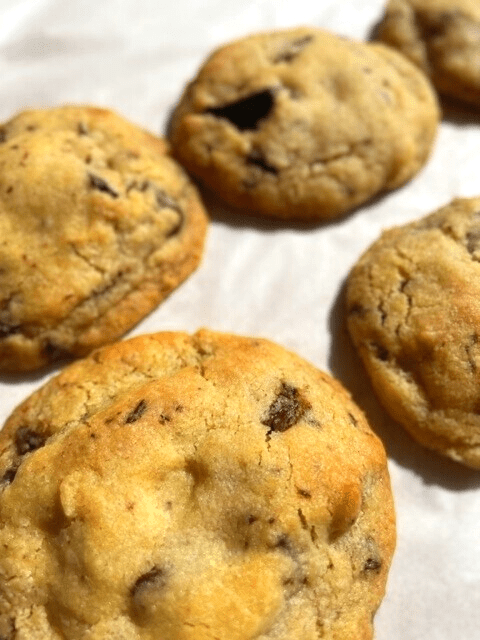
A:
(264, 278)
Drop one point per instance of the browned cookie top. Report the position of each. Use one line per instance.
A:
(97, 225)
(304, 124)
(414, 314)
(192, 488)
(440, 36)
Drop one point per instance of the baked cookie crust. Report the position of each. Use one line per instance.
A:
(414, 316)
(98, 224)
(303, 124)
(443, 38)
(192, 487)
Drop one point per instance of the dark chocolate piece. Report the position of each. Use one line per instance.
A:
(246, 113)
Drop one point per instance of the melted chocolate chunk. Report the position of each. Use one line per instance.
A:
(379, 351)
(473, 240)
(27, 440)
(257, 159)
(357, 310)
(8, 477)
(437, 24)
(353, 420)
(372, 564)
(154, 578)
(286, 410)
(164, 201)
(3, 135)
(304, 493)
(53, 351)
(246, 114)
(101, 185)
(283, 542)
(136, 413)
(9, 329)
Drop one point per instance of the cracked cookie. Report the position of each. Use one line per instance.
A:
(413, 314)
(303, 124)
(192, 487)
(442, 37)
(97, 225)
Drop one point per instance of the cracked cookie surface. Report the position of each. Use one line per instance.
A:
(205, 487)
(413, 314)
(97, 225)
(442, 37)
(303, 124)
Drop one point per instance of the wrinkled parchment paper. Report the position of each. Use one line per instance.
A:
(264, 278)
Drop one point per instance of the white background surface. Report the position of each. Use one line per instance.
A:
(264, 278)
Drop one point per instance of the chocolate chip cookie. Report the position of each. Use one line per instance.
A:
(414, 316)
(97, 225)
(303, 124)
(206, 486)
(443, 38)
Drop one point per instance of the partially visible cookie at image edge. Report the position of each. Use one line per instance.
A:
(173, 483)
(97, 225)
(442, 37)
(414, 316)
(304, 124)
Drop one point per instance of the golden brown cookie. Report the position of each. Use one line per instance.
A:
(413, 314)
(191, 488)
(442, 37)
(303, 124)
(97, 225)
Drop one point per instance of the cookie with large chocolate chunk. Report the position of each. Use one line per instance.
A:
(303, 124)
(206, 486)
(97, 225)
(442, 37)
(413, 314)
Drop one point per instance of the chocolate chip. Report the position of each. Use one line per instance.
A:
(138, 186)
(293, 49)
(379, 351)
(156, 577)
(246, 113)
(282, 542)
(3, 135)
(436, 24)
(304, 493)
(472, 240)
(27, 440)
(136, 413)
(9, 329)
(357, 310)
(373, 561)
(353, 420)
(53, 351)
(258, 160)
(8, 477)
(303, 519)
(286, 410)
(101, 185)
(82, 129)
(164, 201)
(372, 564)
